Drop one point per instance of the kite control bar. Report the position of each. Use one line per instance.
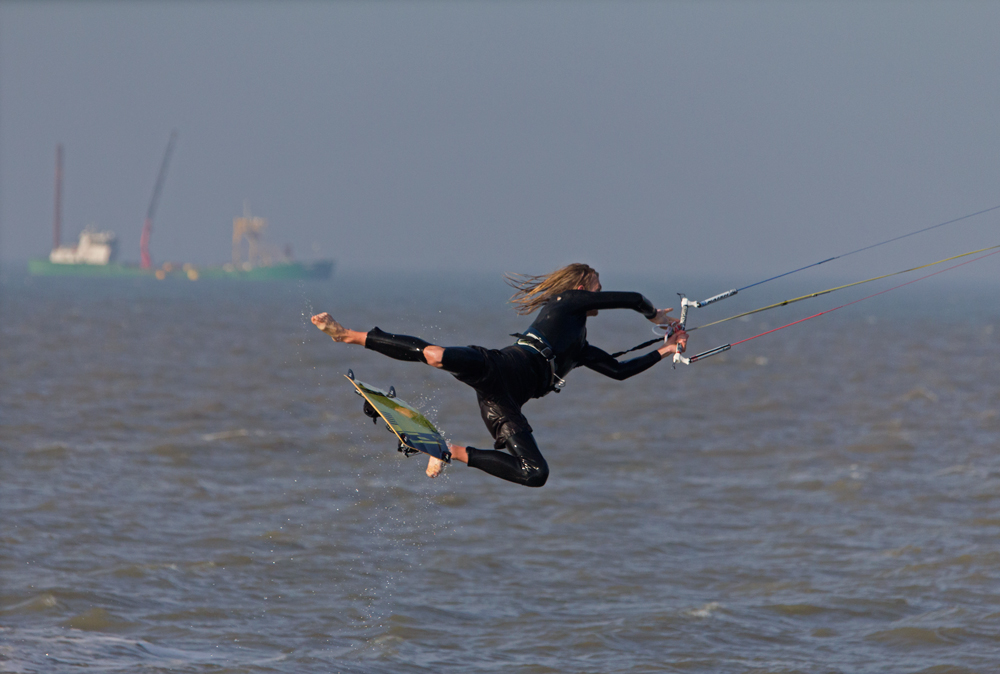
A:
(678, 326)
(682, 325)
(667, 331)
(673, 328)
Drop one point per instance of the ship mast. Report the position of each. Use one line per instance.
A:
(57, 220)
(145, 261)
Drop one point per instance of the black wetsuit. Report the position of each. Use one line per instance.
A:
(505, 379)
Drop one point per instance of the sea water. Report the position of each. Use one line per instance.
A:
(189, 485)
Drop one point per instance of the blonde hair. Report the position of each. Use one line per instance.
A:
(534, 291)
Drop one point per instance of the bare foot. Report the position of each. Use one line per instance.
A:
(434, 466)
(331, 327)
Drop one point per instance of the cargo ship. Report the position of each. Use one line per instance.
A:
(94, 255)
(255, 260)
(96, 252)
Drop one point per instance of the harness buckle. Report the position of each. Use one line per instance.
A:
(558, 383)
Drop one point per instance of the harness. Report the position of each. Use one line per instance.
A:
(540, 345)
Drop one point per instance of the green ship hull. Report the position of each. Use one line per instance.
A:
(287, 271)
(46, 268)
(290, 270)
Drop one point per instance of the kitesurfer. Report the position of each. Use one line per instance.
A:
(505, 379)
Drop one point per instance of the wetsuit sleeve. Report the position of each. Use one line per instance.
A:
(601, 361)
(587, 301)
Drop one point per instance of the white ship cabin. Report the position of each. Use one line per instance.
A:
(94, 248)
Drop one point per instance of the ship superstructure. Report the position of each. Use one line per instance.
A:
(93, 248)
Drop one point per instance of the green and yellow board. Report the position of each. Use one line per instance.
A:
(414, 432)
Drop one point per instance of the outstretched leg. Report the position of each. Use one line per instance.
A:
(400, 347)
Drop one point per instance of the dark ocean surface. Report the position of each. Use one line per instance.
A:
(189, 485)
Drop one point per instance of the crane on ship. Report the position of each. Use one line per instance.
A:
(145, 260)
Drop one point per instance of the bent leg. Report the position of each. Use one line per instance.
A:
(524, 465)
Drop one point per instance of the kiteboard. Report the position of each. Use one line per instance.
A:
(412, 429)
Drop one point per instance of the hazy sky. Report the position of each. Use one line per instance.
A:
(697, 137)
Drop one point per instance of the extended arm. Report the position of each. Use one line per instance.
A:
(602, 362)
